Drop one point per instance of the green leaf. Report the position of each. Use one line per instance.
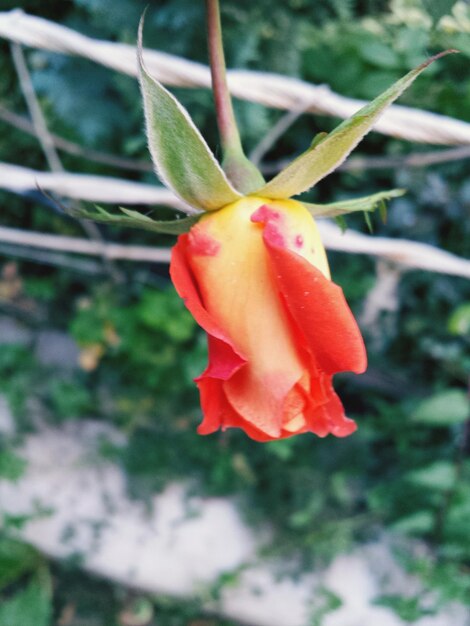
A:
(379, 54)
(459, 322)
(134, 219)
(439, 476)
(30, 607)
(343, 207)
(11, 465)
(16, 559)
(438, 8)
(326, 156)
(408, 608)
(445, 408)
(160, 312)
(181, 156)
(416, 523)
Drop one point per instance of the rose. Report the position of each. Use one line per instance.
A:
(256, 278)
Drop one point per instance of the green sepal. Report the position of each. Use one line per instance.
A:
(326, 155)
(341, 222)
(182, 158)
(343, 207)
(368, 222)
(134, 219)
(244, 174)
(383, 210)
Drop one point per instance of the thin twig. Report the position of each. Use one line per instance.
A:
(75, 245)
(47, 257)
(419, 159)
(47, 145)
(39, 123)
(280, 128)
(360, 164)
(89, 187)
(409, 254)
(22, 123)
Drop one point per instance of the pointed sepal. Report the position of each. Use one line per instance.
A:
(182, 158)
(326, 155)
(134, 219)
(343, 207)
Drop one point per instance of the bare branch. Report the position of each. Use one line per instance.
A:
(271, 90)
(279, 129)
(22, 123)
(88, 187)
(47, 145)
(48, 257)
(75, 245)
(419, 159)
(361, 164)
(39, 123)
(409, 254)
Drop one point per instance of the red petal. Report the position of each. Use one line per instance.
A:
(224, 359)
(218, 412)
(213, 405)
(333, 414)
(259, 401)
(319, 310)
(325, 414)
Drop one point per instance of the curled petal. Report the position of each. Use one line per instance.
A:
(219, 413)
(318, 308)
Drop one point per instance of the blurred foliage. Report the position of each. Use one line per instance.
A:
(25, 585)
(408, 467)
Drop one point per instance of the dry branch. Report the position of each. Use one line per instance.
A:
(112, 190)
(76, 245)
(271, 90)
(409, 254)
(87, 187)
(44, 138)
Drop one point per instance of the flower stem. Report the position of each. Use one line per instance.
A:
(243, 174)
(228, 129)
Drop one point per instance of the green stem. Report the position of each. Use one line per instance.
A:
(228, 129)
(243, 174)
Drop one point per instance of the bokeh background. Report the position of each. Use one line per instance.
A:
(85, 340)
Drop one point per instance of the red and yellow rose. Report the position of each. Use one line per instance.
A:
(255, 276)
